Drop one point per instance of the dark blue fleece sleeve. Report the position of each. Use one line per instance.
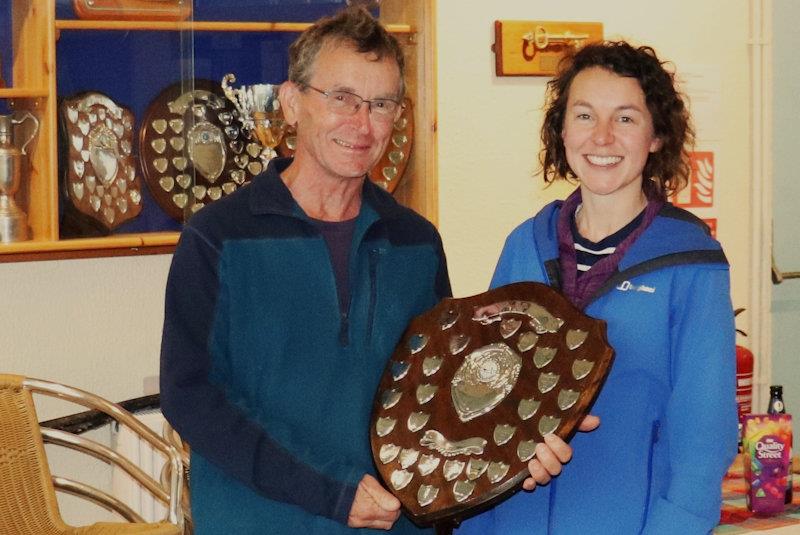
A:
(199, 410)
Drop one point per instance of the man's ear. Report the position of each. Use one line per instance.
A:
(288, 94)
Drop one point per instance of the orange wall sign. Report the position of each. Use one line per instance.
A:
(712, 225)
(700, 190)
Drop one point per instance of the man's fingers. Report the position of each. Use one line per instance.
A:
(383, 498)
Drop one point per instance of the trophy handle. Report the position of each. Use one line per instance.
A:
(25, 116)
(231, 93)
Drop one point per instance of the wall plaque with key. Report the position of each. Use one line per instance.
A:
(534, 47)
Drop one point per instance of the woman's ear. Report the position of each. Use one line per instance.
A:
(288, 96)
(656, 144)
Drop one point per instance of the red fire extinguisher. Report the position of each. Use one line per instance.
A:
(744, 375)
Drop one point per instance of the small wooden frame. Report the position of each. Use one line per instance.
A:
(534, 47)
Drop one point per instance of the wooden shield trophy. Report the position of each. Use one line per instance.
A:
(473, 386)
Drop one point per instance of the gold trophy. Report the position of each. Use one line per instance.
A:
(259, 112)
(13, 221)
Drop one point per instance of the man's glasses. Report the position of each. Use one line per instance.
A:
(347, 103)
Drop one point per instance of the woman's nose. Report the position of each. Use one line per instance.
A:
(603, 133)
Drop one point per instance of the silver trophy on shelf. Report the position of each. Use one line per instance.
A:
(259, 112)
(13, 221)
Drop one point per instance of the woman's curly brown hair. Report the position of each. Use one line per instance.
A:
(667, 170)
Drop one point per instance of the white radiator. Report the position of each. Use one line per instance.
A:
(124, 487)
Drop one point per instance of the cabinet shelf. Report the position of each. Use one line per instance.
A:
(35, 31)
(199, 26)
(118, 245)
(23, 92)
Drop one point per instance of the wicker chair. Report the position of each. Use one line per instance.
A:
(28, 504)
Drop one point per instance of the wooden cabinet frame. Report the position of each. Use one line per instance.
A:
(35, 32)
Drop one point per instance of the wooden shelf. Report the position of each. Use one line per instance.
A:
(118, 245)
(198, 26)
(23, 92)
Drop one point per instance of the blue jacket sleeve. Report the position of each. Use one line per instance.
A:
(701, 413)
(199, 410)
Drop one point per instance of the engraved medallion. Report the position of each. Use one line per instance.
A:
(426, 494)
(543, 356)
(427, 464)
(417, 420)
(389, 453)
(463, 489)
(503, 433)
(515, 365)
(448, 318)
(425, 393)
(581, 368)
(431, 365)
(384, 426)
(408, 457)
(575, 338)
(401, 478)
(526, 450)
(390, 398)
(527, 408)
(417, 343)
(400, 369)
(548, 424)
(458, 342)
(452, 469)
(567, 398)
(484, 379)
(476, 468)
(509, 326)
(547, 381)
(497, 471)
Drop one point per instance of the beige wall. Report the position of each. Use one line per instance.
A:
(95, 324)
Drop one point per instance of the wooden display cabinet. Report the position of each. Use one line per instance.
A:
(35, 33)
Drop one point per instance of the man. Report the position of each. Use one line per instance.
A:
(285, 300)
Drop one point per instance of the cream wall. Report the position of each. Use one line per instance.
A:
(488, 125)
(95, 324)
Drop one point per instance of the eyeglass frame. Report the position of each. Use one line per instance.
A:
(343, 110)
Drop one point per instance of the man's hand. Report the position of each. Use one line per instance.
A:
(373, 507)
(552, 454)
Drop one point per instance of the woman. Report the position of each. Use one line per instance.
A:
(615, 123)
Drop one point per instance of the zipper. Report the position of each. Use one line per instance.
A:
(374, 259)
(653, 441)
(344, 328)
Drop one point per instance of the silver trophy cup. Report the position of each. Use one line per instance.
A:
(13, 221)
(259, 113)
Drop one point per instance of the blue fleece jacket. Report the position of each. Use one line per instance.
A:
(264, 377)
(668, 427)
